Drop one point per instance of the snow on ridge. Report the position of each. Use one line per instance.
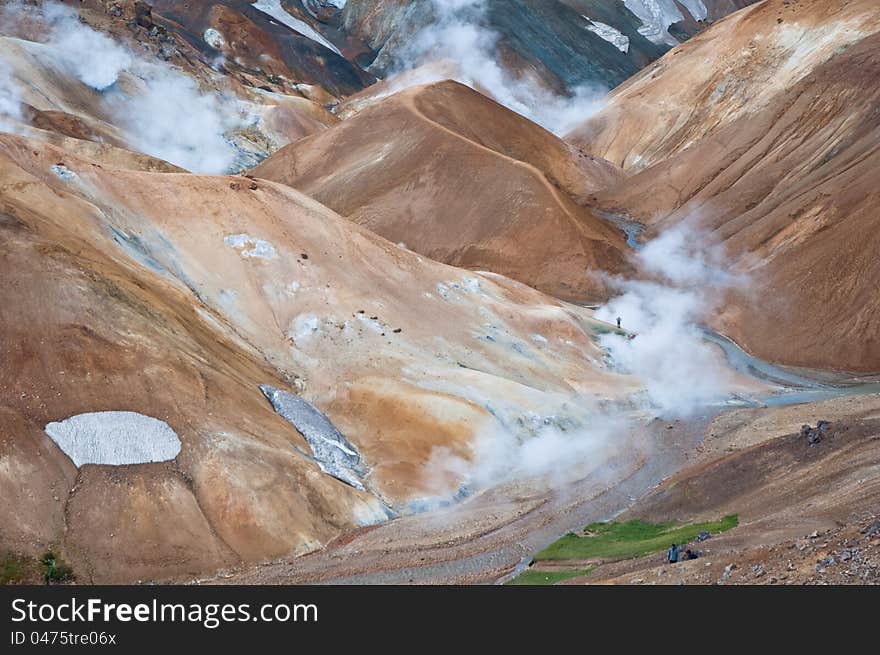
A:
(115, 438)
(658, 15)
(614, 36)
(697, 8)
(274, 9)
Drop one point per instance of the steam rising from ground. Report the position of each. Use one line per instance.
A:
(10, 98)
(460, 36)
(551, 450)
(163, 111)
(680, 370)
(95, 59)
(173, 120)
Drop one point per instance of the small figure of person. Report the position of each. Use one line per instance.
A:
(618, 322)
(672, 554)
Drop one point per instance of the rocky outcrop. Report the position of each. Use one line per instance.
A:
(257, 42)
(557, 38)
(550, 37)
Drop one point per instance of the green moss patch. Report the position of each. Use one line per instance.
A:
(532, 577)
(629, 539)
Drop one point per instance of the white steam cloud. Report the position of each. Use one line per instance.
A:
(95, 59)
(161, 109)
(10, 98)
(680, 370)
(544, 449)
(461, 37)
(173, 120)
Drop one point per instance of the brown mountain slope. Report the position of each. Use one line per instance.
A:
(175, 296)
(805, 512)
(254, 45)
(255, 115)
(460, 179)
(785, 175)
(732, 70)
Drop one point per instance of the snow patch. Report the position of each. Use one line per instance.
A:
(274, 9)
(658, 15)
(334, 454)
(214, 39)
(614, 36)
(303, 329)
(251, 247)
(115, 438)
(63, 172)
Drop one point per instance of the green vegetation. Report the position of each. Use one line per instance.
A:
(629, 539)
(55, 569)
(12, 569)
(598, 330)
(532, 577)
(27, 569)
(19, 569)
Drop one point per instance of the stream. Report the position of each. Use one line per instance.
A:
(796, 386)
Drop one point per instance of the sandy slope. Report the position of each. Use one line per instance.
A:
(733, 69)
(54, 101)
(778, 158)
(176, 295)
(803, 509)
(132, 286)
(462, 180)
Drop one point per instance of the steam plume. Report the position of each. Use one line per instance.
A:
(162, 110)
(10, 99)
(550, 452)
(681, 372)
(460, 35)
(95, 59)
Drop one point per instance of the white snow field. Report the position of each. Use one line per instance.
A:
(614, 36)
(114, 438)
(274, 9)
(658, 15)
